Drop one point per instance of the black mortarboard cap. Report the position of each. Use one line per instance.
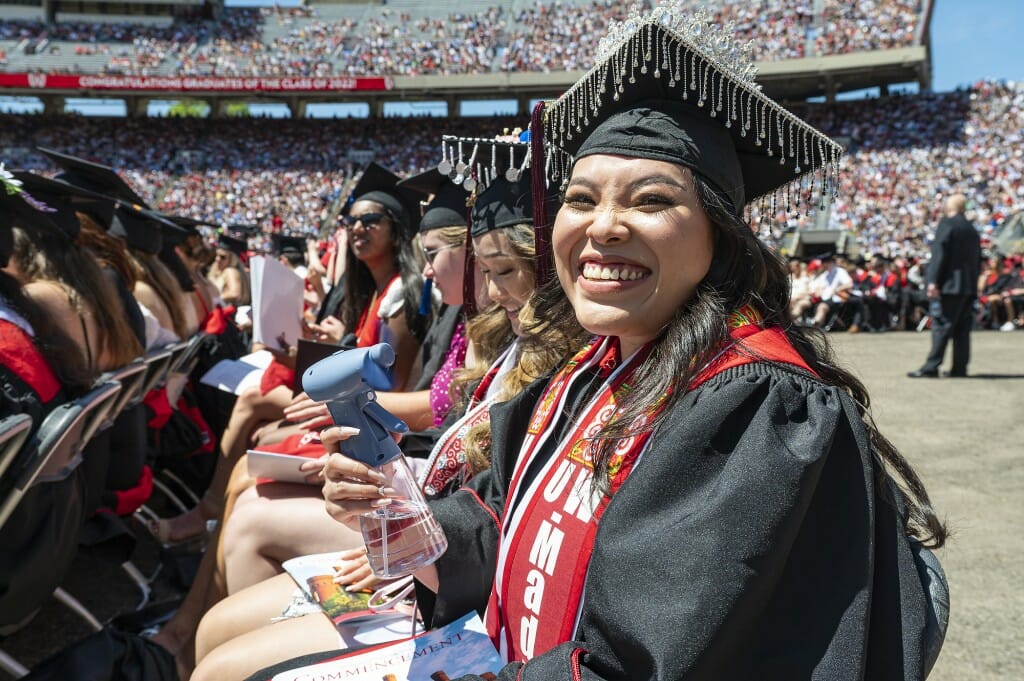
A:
(94, 176)
(503, 204)
(67, 199)
(232, 243)
(380, 185)
(447, 208)
(246, 229)
(143, 229)
(283, 243)
(671, 85)
(19, 209)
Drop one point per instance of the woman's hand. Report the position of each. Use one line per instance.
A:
(329, 330)
(314, 470)
(286, 354)
(354, 571)
(308, 413)
(351, 488)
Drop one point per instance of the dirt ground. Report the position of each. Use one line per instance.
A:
(966, 439)
(964, 436)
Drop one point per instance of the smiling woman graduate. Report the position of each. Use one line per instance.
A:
(699, 493)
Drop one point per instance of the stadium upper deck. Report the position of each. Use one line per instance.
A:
(479, 47)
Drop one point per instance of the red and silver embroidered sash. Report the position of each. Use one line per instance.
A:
(447, 460)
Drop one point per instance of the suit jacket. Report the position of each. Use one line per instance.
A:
(956, 257)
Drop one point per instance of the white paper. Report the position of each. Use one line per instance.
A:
(237, 375)
(276, 302)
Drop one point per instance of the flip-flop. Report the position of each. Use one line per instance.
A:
(160, 528)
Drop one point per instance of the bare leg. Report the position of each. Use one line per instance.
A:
(244, 655)
(274, 522)
(250, 410)
(208, 588)
(248, 610)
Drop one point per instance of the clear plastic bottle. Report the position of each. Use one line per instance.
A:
(403, 536)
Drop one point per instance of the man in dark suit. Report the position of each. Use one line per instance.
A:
(952, 287)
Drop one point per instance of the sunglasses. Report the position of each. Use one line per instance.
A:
(430, 254)
(369, 220)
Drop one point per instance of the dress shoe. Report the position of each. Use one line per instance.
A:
(954, 374)
(923, 373)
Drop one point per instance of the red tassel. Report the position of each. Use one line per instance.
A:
(541, 228)
(469, 269)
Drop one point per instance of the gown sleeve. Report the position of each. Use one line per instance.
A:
(742, 545)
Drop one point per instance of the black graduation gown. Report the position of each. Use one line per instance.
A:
(749, 542)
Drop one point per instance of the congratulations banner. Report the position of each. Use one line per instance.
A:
(42, 81)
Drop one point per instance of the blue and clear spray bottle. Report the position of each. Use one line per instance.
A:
(403, 536)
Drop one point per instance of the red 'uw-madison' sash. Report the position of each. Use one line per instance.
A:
(549, 525)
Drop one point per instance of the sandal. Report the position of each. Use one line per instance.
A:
(160, 528)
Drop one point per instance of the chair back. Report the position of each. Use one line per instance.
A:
(157, 363)
(14, 431)
(185, 358)
(132, 377)
(55, 451)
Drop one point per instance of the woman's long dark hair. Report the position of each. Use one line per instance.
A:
(360, 286)
(62, 354)
(47, 254)
(743, 272)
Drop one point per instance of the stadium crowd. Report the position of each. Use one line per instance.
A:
(542, 37)
(905, 152)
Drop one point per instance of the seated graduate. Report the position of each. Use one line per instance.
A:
(235, 637)
(381, 304)
(40, 368)
(228, 272)
(699, 493)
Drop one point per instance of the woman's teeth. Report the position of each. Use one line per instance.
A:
(613, 272)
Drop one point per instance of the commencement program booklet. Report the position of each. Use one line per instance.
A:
(460, 648)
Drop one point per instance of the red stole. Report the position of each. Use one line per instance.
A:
(549, 526)
(368, 330)
(19, 354)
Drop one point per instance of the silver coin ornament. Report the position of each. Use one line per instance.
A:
(444, 167)
(469, 185)
(512, 175)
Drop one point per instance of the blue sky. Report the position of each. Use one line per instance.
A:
(974, 39)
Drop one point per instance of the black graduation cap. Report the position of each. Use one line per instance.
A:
(232, 243)
(284, 244)
(474, 162)
(503, 204)
(144, 229)
(189, 224)
(95, 177)
(244, 229)
(672, 85)
(19, 209)
(67, 199)
(381, 185)
(447, 208)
